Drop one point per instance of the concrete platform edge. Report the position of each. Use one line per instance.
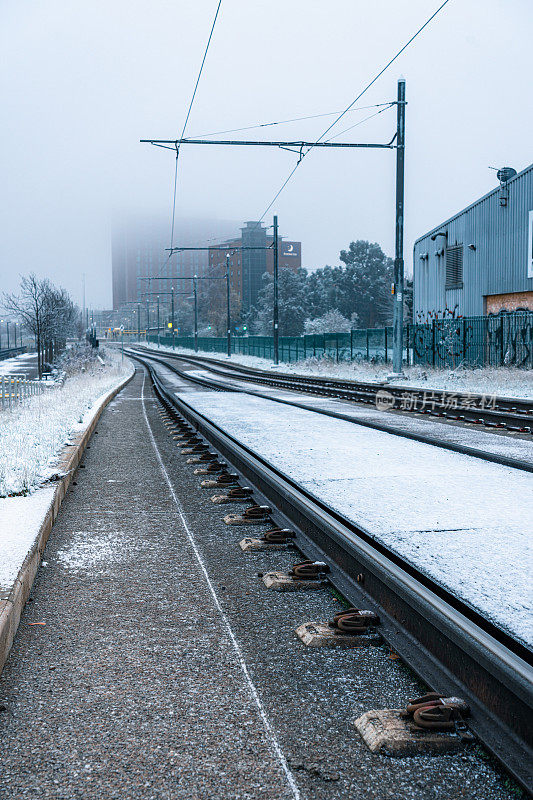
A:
(11, 610)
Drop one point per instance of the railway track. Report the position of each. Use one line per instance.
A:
(489, 411)
(448, 644)
(386, 427)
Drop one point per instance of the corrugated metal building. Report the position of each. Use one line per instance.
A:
(481, 260)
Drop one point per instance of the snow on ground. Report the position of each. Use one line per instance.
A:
(89, 550)
(20, 521)
(506, 445)
(33, 433)
(465, 522)
(19, 365)
(504, 381)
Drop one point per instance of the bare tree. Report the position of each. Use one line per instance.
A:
(46, 313)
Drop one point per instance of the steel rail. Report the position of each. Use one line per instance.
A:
(367, 395)
(366, 391)
(495, 458)
(503, 403)
(449, 645)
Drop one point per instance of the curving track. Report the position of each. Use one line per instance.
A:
(447, 643)
(236, 379)
(492, 412)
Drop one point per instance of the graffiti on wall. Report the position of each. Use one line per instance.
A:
(499, 340)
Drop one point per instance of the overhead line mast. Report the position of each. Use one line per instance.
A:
(299, 147)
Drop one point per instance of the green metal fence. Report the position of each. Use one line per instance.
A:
(500, 340)
(473, 341)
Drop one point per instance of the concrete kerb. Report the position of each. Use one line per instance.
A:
(12, 606)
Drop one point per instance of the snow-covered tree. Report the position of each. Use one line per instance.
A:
(291, 303)
(330, 322)
(47, 313)
(361, 286)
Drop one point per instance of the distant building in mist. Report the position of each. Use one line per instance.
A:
(138, 251)
(247, 267)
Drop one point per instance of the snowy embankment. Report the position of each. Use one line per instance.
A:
(503, 381)
(33, 438)
(33, 434)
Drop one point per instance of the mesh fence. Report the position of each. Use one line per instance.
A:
(503, 340)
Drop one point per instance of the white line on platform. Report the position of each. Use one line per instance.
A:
(240, 658)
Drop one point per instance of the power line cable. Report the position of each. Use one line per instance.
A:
(349, 107)
(284, 121)
(187, 120)
(370, 116)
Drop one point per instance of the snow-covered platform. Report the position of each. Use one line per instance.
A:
(464, 521)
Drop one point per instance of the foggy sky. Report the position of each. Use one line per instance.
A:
(82, 82)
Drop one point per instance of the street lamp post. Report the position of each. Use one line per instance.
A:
(158, 335)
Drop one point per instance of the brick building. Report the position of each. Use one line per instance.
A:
(247, 267)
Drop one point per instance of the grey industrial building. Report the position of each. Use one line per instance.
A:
(480, 261)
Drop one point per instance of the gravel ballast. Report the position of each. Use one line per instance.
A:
(134, 686)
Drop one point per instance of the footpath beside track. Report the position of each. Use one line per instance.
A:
(443, 640)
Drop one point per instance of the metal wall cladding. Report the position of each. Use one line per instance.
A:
(497, 265)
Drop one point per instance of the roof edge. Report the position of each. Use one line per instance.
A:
(467, 208)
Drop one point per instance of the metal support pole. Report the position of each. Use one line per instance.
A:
(276, 304)
(138, 322)
(397, 352)
(195, 286)
(147, 318)
(172, 320)
(7, 329)
(122, 339)
(158, 326)
(228, 309)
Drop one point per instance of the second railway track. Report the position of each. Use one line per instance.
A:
(387, 426)
(490, 411)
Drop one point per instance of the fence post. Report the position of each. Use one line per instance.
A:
(433, 342)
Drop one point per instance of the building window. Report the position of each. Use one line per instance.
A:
(454, 267)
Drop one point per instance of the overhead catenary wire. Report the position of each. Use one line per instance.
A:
(351, 105)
